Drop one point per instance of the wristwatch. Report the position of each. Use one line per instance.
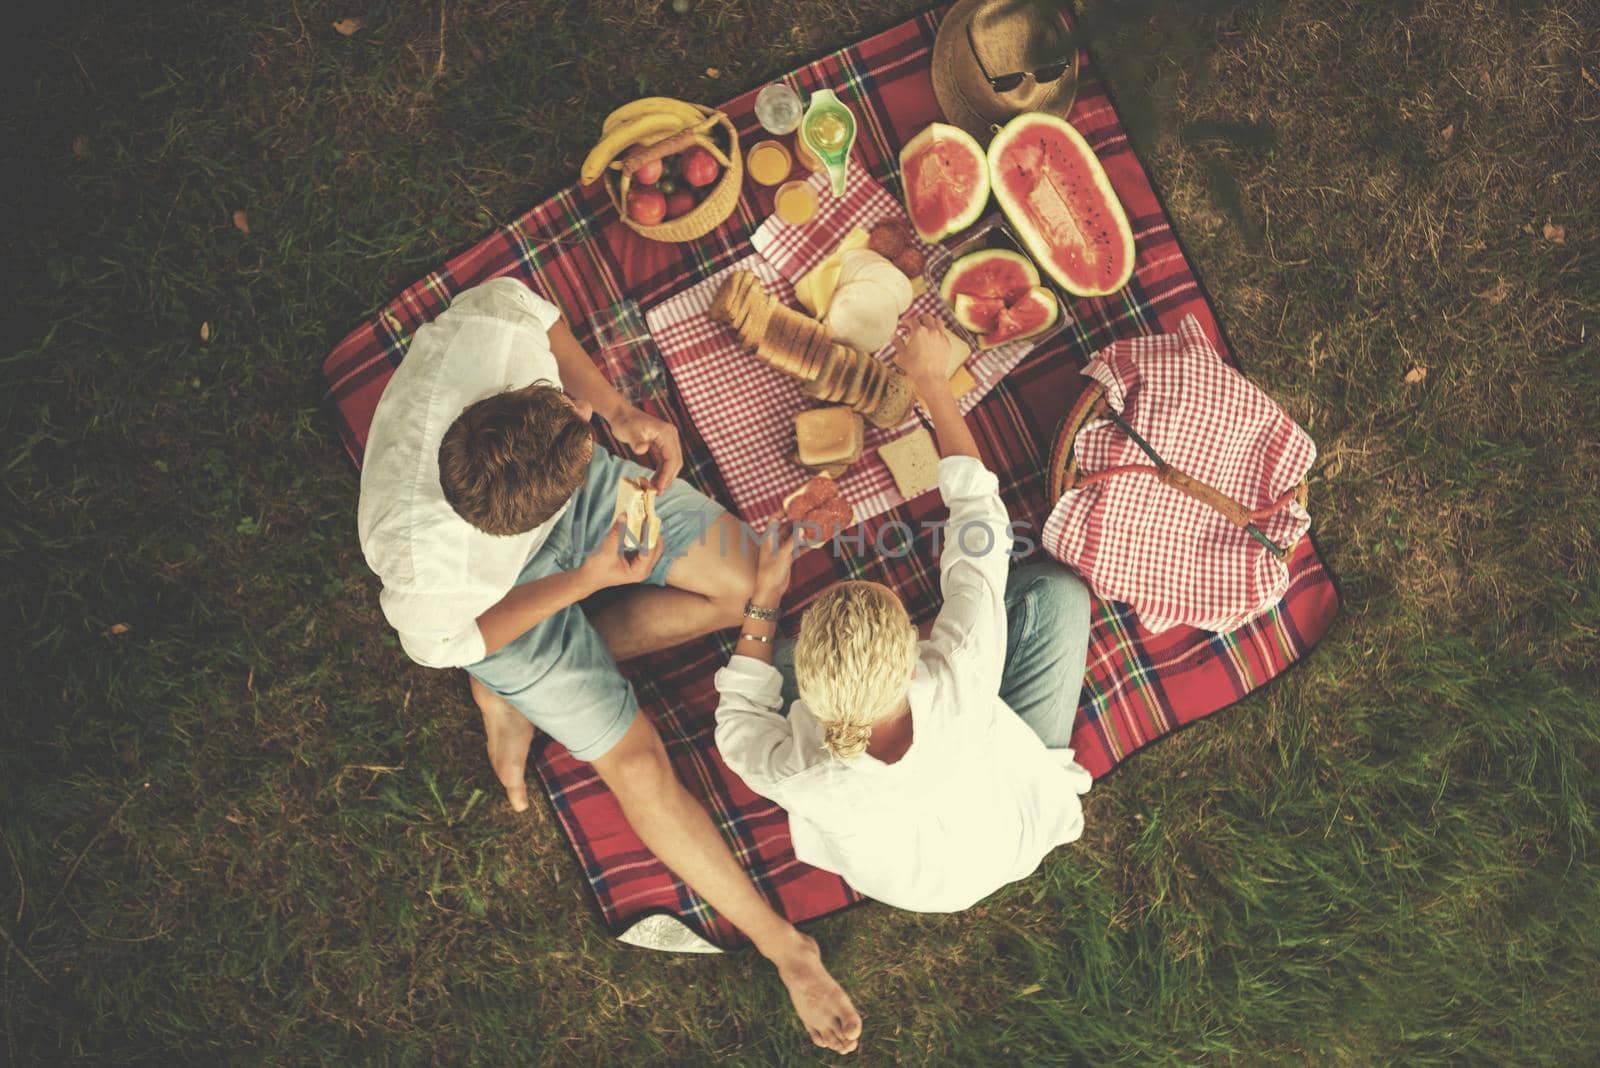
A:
(765, 615)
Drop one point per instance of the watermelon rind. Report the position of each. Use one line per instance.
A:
(977, 314)
(974, 260)
(979, 196)
(1036, 242)
(1037, 295)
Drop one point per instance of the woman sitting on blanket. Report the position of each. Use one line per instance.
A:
(927, 773)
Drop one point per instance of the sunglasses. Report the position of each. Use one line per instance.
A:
(1007, 82)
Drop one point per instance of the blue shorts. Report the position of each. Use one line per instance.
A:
(560, 674)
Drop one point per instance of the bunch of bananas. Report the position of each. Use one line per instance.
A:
(644, 122)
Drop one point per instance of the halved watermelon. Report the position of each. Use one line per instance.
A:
(946, 179)
(978, 314)
(1059, 200)
(990, 272)
(1034, 312)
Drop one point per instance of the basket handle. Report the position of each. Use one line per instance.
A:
(1236, 513)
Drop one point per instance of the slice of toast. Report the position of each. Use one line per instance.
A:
(895, 405)
(913, 460)
(754, 326)
(872, 392)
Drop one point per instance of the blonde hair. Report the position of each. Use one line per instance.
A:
(853, 661)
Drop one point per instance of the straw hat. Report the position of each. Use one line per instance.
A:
(1008, 36)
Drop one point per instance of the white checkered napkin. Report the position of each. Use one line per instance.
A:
(794, 250)
(1174, 559)
(744, 410)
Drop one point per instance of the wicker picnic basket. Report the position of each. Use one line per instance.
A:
(711, 212)
(1064, 475)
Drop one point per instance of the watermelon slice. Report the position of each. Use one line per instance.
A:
(946, 181)
(990, 272)
(1033, 313)
(978, 314)
(1059, 200)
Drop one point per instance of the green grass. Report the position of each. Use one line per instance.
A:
(246, 829)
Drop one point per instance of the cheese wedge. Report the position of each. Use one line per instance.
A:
(815, 290)
(962, 383)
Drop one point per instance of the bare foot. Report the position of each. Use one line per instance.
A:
(821, 1003)
(507, 734)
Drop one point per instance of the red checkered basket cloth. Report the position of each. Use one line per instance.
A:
(1179, 485)
(1138, 686)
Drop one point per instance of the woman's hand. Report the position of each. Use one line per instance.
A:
(925, 353)
(774, 563)
(652, 438)
(609, 566)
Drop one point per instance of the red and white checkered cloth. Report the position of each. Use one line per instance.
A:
(744, 410)
(1135, 539)
(794, 250)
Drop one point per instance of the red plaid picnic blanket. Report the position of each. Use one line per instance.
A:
(1176, 560)
(743, 409)
(1138, 686)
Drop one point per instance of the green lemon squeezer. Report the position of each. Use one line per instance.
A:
(829, 131)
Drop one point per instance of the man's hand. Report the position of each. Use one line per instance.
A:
(609, 566)
(925, 354)
(652, 438)
(775, 563)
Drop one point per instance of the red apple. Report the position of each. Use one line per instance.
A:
(680, 203)
(648, 173)
(700, 168)
(647, 207)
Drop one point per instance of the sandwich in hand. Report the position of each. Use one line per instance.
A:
(636, 505)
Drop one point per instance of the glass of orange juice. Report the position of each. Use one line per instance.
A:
(795, 202)
(768, 162)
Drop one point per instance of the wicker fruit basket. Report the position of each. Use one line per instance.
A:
(711, 212)
(1064, 475)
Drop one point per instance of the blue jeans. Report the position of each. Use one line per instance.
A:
(559, 674)
(1047, 647)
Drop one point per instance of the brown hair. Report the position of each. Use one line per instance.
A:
(510, 461)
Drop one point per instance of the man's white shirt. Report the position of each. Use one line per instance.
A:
(439, 572)
(976, 802)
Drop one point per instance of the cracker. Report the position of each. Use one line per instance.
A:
(962, 383)
(913, 461)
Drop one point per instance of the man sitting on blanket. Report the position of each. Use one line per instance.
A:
(483, 500)
(927, 773)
